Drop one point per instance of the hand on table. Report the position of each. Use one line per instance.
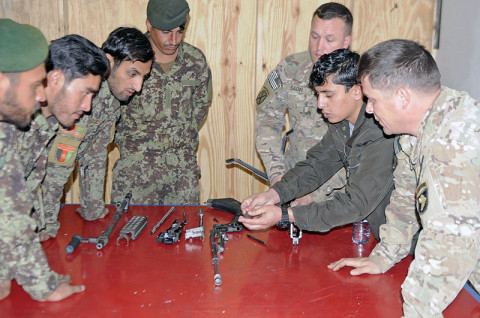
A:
(64, 289)
(363, 265)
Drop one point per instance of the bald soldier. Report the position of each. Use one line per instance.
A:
(287, 88)
(157, 135)
(22, 73)
(437, 178)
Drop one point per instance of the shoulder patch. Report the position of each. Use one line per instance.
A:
(421, 196)
(75, 131)
(274, 80)
(262, 95)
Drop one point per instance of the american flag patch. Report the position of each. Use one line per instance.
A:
(274, 80)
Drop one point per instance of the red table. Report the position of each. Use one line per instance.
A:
(151, 279)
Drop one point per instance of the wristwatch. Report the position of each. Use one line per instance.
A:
(284, 222)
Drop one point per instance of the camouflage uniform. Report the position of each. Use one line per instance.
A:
(287, 87)
(85, 143)
(21, 256)
(157, 134)
(368, 157)
(32, 146)
(437, 180)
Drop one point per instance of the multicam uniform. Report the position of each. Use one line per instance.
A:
(287, 87)
(21, 254)
(157, 134)
(438, 180)
(85, 143)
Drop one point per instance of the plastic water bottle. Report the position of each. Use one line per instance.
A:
(361, 232)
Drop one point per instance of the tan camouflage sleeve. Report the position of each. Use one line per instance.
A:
(396, 235)
(22, 257)
(269, 124)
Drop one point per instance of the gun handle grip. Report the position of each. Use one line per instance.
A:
(72, 246)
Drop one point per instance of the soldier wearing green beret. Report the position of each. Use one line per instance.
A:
(23, 50)
(157, 134)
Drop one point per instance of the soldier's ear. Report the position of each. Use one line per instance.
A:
(149, 26)
(55, 80)
(357, 92)
(4, 85)
(111, 60)
(403, 96)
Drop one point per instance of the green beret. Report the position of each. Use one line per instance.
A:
(22, 47)
(167, 15)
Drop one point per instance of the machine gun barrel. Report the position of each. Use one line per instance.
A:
(121, 208)
(102, 240)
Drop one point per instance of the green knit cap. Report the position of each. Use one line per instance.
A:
(167, 15)
(22, 47)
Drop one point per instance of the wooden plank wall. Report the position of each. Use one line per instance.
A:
(243, 40)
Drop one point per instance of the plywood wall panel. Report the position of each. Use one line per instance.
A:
(47, 15)
(95, 19)
(230, 51)
(376, 21)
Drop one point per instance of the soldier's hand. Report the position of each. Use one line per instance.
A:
(275, 180)
(305, 200)
(64, 289)
(363, 265)
(44, 236)
(262, 218)
(5, 289)
(259, 200)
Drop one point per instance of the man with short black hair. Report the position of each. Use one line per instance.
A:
(353, 141)
(130, 56)
(157, 134)
(437, 179)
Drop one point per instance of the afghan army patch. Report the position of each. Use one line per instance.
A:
(274, 80)
(262, 95)
(422, 197)
(64, 152)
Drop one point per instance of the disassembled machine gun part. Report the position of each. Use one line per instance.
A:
(162, 220)
(198, 231)
(172, 235)
(133, 227)
(103, 239)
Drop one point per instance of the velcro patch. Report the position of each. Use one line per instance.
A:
(274, 80)
(64, 152)
(262, 95)
(422, 197)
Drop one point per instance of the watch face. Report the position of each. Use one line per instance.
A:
(283, 224)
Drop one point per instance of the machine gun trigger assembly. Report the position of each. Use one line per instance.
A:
(172, 235)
